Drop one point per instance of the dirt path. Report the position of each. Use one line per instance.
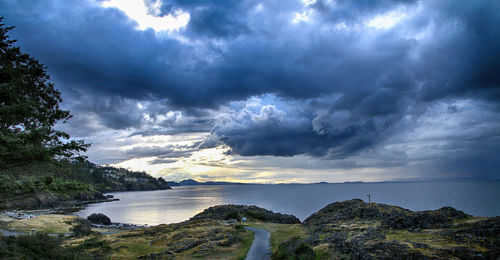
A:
(260, 249)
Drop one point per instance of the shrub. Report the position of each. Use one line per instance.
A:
(81, 228)
(94, 242)
(8, 184)
(257, 214)
(232, 214)
(238, 227)
(40, 246)
(46, 183)
(294, 248)
(47, 179)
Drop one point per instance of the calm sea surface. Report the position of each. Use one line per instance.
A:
(301, 200)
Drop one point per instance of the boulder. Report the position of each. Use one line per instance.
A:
(99, 218)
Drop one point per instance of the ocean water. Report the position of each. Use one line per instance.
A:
(301, 200)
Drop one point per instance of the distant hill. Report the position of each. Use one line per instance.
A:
(102, 178)
(173, 183)
(51, 184)
(191, 182)
(108, 179)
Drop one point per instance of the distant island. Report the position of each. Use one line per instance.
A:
(191, 182)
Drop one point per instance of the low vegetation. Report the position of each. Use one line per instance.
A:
(343, 230)
(40, 246)
(200, 239)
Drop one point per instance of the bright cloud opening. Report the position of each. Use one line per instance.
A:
(387, 20)
(138, 11)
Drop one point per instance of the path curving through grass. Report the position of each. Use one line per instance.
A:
(260, 249)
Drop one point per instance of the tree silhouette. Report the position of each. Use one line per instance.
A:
(29, 109)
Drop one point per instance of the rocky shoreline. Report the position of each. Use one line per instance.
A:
(52, 202)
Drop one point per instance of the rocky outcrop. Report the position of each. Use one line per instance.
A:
(355, 229)
(99, 218)
(390, 216)
(250, 212)
(440, 218)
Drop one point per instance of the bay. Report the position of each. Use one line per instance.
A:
(181, 203)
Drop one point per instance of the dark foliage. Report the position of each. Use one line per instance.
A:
(81, 228)
(40, 246)
(296, 249)
(251, 212)
(29, 109)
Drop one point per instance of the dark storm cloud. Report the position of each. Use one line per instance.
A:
(114, 112)
(163, 153)
(313, 129)
(339, 86)
(463, 58)
(382, 83)
(302, 62)
(354, 11)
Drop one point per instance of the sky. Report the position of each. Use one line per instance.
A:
(275, 91)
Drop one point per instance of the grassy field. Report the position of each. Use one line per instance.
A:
(54, 224)
(201, 239)
(48, 224)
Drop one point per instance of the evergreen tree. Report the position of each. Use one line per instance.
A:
(29, 109)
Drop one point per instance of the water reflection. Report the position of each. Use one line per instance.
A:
(156, 207)
(181, 203)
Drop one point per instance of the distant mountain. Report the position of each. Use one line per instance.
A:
(191, 182)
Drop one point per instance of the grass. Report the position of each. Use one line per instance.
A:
(431, 237)
(125, 248)
(246, 243)
(468, 220)
(53, 224)
(202, 239)
(280, 232)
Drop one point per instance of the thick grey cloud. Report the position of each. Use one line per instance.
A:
(330, 80)
(162, 154)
